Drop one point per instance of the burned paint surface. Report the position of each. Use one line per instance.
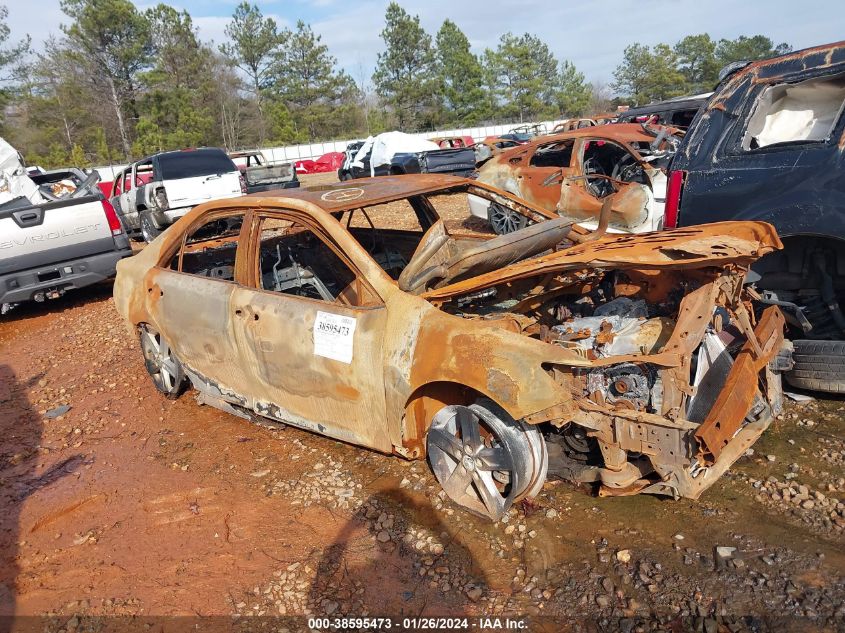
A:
(568, 188)
(798, 187)
(505, 334)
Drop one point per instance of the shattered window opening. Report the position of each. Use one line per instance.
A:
(295, 261)
(390, 233)
(807, 111)
(608, 161)
(210, 250)
(553, 155)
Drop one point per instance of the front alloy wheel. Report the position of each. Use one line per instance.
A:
(484, 461)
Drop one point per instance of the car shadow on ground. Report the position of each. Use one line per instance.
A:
(353, 567)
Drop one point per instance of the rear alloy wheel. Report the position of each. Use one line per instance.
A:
(162, 366)
(503, 220)
(148, 230)
(484, 461)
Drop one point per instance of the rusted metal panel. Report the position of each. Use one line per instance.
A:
(733, 403)
(413, 354)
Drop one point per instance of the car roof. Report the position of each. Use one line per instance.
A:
(342, 196)
(620, 132)
(188, 151)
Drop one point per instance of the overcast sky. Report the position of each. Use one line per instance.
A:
(590, 34)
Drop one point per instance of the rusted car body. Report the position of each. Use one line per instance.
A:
(570, 174)
(577, 124)
(630, 361)
(492, 146)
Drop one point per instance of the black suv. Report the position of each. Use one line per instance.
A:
(769, 146)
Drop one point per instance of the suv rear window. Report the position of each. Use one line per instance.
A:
(194, 163)
(796, 113)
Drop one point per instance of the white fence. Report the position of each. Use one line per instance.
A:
(311, 151)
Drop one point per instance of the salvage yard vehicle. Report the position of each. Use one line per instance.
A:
(769, 146)
(450, 142)
(678, 112)
(261, 175)
(150, 194)
(57, 233)
(395, 153)
(577, 124)
(570, 174)
(352, 311)
(490, 147)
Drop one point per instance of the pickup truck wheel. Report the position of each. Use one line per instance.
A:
(819, 366)
(148, 230)
(484, 460)
(162, 366)
(503, 220)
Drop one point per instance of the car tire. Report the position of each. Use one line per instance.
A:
(164, 368)
(149, 231)
(819, 366)
(503, 220)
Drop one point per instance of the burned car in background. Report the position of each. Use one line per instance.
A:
(352, 311)
(570, 174)
(678, 112)
(769, 146)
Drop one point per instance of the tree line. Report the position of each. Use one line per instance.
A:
(119, 83)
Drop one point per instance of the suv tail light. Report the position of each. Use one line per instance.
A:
(161, 199)
(673, 198)
(114, 221)
(242, 180)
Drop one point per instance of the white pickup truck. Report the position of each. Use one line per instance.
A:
(56, 233)
(150, 194)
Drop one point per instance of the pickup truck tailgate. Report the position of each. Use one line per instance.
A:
(261, 175)
(39, 235)
(450, 160)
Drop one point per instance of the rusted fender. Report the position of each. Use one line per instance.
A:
(737, 396)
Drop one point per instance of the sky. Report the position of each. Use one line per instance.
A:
(592, 35)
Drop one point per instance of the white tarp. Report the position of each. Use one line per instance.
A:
(386, 145)
(14, 182)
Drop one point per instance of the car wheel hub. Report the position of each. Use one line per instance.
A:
(483, 463)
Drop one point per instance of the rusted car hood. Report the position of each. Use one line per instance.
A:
(723, 244)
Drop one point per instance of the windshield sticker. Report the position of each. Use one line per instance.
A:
(333, 336)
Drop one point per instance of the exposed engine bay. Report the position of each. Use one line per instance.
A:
(643, 426)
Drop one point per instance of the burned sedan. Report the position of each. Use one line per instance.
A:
(570, 175)
(633, 362)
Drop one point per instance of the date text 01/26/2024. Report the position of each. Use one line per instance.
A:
(417, 624)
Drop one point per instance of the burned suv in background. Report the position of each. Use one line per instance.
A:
(152, 193)
(769, 146)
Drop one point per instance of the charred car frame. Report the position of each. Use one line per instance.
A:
(634, 362)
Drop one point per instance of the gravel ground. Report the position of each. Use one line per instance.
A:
(116, 501)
